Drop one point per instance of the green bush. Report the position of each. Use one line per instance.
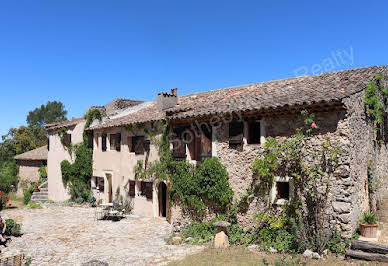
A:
(28, 194)
(197, 189)
(369, 218)
(8, 176)
(3, 200)
(336, 244)
(201, 232)
(13, 228)
(77, 174)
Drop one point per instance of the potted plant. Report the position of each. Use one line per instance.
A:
(368, 225)
(36, 188)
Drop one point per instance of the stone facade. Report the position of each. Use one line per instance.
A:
(347, 129)
(28, 173)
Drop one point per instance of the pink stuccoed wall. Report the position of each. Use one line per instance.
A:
(120, 165)
(56, 154)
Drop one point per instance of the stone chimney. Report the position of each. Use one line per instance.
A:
(166, 100)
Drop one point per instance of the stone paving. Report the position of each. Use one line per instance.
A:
(59, 235)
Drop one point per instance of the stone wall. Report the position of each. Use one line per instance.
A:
(28, 172)
(333, 126)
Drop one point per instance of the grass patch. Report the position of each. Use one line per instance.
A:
(34, 205)
(13, 197)
(242, 256)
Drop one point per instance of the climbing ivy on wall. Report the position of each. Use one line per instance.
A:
(376, 101)
(311, 170)
(196, 189)
(77, 175)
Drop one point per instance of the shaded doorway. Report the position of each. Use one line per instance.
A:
(109, 188)
(162, 191)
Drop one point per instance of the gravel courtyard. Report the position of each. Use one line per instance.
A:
(58, 235)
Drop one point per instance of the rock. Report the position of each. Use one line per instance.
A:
(223, 224)
(325, 252)
(308, 254)
(176, 240)
(341, 207)
(189, 239)
(272, 250)
(94, 263)
(252, 247)
(316, 256)
(221, 240)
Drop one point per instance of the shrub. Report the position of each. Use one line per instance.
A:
(78, 174)
(369, 218)
(13, 228)
(3, 200)
(8, 176)
(336, 244)
(200, 231)
(28, 194)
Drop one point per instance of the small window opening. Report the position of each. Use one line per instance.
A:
(283, 190)
(254, 132)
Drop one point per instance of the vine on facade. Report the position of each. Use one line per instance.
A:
(310, 170)
(197, 189)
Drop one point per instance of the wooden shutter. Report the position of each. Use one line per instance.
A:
(138, 144)
(236, 129)
(118, 142)
(206, 142)
(90, 139)
(132, 188)
(147, 145)
(148, 186)
(103, 138)
(178, 145)
(67, 139)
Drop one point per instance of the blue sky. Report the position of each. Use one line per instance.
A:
(89, 52)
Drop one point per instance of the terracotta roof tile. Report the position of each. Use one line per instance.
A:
(67, 123)
(39, 154)
(259, 96)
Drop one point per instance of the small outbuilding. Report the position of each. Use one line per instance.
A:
(29, 164)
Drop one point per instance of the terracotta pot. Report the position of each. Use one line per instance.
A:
(36, 190)
(368, 230)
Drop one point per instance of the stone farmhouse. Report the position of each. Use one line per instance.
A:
(233, 124)
(29, 164)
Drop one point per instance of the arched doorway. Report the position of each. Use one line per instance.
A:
(162, 195)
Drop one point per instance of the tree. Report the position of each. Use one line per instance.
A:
(49, 113)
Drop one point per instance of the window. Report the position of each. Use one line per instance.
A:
(146, 189)
(137, 145)
(67, 140)
(283, 190)
(90, 139)
(48, 143)
(103, 139)
(112, 141)
(236, 129)
(115, 141)
(178, 145)
(132, 188)
(254, 132)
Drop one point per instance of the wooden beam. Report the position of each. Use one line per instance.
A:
(366, 256)
(369, 246)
